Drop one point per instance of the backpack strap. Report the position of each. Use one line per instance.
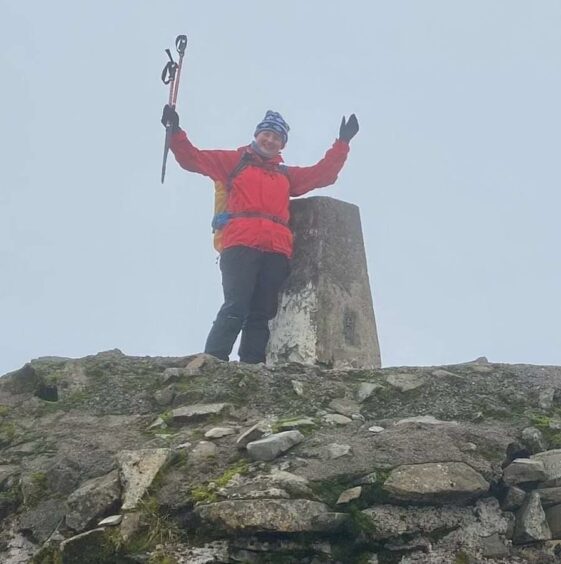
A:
(220, 220)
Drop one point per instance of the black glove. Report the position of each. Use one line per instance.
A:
(170, 116)
(348, 129)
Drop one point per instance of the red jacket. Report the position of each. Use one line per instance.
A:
(259, 187)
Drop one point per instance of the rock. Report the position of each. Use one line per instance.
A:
(426, 419)
(531, 523)
(269, 516)
(368, 480)
(468, 447)
(493, 546)
(391, 521)
(131, 525)
(344, 406)
(171, 375)
(41, 521)
(198, 412)
(440, 373)
(376, 429)
(440, 482)
(552, 465)
(203, 451)
(195, 366)
(219, 432)
(336, 419)
(335, 450)
(365, 390)
(304, 422)
(533, 440)
(550, 496)
(7, 475)
(91, 547)
(418, 543)
(165, 397)
(522, 470)
(94, 498)
(111, 521)
(159, 423)
(405, 382)
(349, 495)
(274, 445)
(514, 499)
(298, 387)
(553, 516)
(253, 434)
(545, 398)
(138, 468)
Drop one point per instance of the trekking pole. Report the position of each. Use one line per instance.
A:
(170, 75)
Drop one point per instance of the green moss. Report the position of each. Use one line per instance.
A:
(204, 493)
(543, 423)
(8, 433)
(167, 416)
(461, 558)
(159, 557)
(285, 424)
(37, 488)
(4, 410)
(47, 555)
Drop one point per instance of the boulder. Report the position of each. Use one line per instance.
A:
(197, 412)
(274, 445)
(93, 499)
(138, 468)
(435, 483)
(270, 516)
(523, 470)
(531, 522)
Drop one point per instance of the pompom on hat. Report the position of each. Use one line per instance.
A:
(273, 121)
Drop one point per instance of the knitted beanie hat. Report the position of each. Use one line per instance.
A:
(273, 121)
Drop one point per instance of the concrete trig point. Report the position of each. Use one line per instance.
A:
(325, 312)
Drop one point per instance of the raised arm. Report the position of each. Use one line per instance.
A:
(325, 172)
(214, 163)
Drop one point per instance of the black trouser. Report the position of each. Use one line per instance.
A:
(251, 280)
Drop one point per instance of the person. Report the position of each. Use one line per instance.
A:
(252, 193)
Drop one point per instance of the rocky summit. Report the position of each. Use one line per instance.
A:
(118, 459)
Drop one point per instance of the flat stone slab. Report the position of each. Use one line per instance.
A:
(349, 495)
(197, 412)
(523, 470)
(405, 382)
(111, 521)
(252, 434)
(271, 515)
(274, 445)
(344, 406)
(336, 419)
(550, 496)
(138, 468)
(552, 465)
(425, 419)
(219, 432)
(436, 483)
(335, 450)
(390, 521)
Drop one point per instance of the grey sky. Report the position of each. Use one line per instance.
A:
(456, 168)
